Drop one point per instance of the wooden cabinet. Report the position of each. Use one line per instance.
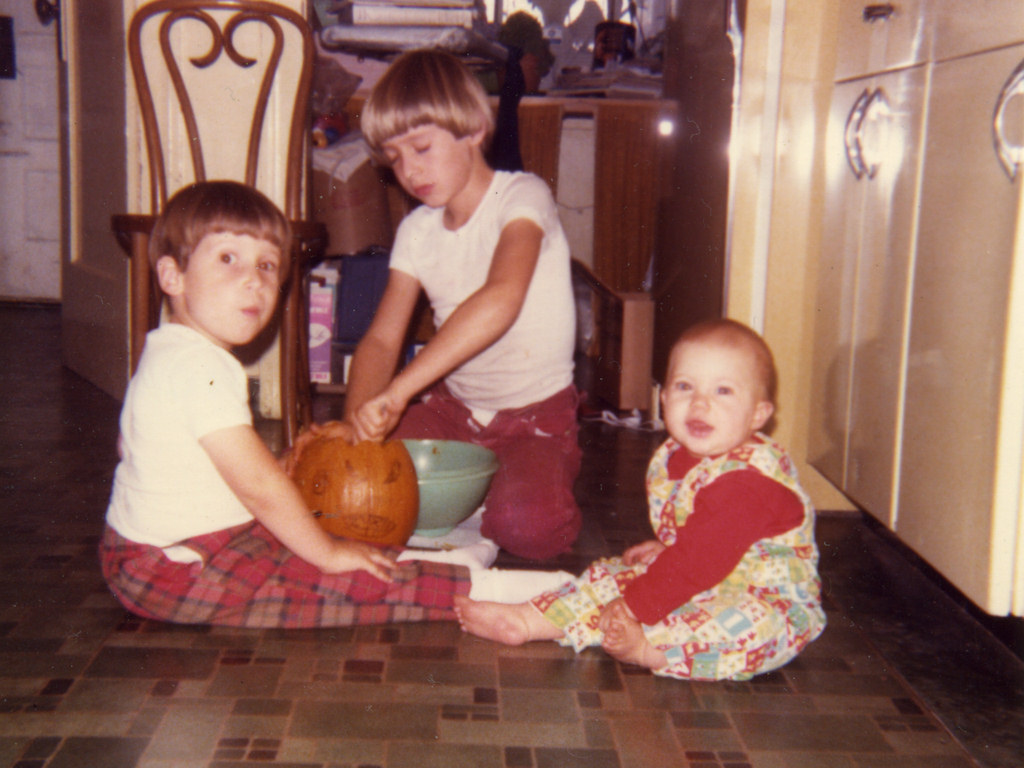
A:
(920, 342)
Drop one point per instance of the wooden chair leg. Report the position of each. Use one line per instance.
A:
(289, 365)
(142, 298)
(304, 389)
(296, 392)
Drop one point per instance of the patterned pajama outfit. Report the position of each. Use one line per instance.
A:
(759, 618)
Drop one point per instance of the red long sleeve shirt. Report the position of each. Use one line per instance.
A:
(729, 516)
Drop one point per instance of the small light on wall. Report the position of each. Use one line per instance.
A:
(666, 126)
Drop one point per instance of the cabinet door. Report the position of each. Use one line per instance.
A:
(971, 26)
(890, 139)
(959, 489)
(870, 226)
(833, 328)
(878, 37)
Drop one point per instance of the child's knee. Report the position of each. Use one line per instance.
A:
(537, 530)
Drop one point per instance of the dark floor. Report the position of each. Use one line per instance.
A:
(902, 676)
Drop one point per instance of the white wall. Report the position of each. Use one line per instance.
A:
(576, 186)
(30, 208)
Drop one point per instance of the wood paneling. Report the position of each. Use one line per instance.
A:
(628, 166)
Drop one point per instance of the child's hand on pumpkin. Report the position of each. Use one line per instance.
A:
(646, 553)
(375, 418)
(359, 556)
(329, 429)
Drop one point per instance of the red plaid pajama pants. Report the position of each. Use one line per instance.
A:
(249, 579)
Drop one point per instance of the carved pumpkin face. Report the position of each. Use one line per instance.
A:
(366, 491)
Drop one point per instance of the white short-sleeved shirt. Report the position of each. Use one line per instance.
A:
(166, 488)
(534, 359)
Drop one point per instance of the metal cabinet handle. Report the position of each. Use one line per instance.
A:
(877, 105)
(851, 134)
(878, 12)
(1010, 155)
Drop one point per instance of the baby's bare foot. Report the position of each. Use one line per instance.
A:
(500, 622)
(625, 641)
(627, 655)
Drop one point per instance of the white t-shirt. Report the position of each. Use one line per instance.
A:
(534, 359)
(166, 488)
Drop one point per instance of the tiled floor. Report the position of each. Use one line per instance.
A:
(899, 672)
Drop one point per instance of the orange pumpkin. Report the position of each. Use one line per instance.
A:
(366, 491)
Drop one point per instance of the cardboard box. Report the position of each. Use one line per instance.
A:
(323, 287)
(353, 204)
(626, 343)
(619, 343)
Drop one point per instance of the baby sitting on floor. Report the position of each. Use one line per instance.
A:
(730, 587)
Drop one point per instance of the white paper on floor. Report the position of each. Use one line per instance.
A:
(463, 545)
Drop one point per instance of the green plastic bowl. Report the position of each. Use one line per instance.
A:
(453, 479)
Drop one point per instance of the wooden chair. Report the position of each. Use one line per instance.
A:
(237, 48)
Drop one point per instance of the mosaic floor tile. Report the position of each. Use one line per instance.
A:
(91, 752)
(501, 732)
(404, 755)
(645, 739)
(576, 758)
(568, 673)
(432, 672)
(338, 719)
(153, 663)
(797, 732)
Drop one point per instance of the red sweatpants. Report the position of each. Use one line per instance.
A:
(530, 508)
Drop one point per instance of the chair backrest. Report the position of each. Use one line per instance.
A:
(205, 72)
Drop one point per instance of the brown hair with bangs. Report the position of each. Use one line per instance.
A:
(426, 87)
(730, 333)
(211, 207)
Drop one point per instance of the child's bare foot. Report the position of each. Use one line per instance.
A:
(624, 641)
(628, 650)
(513, 624)
(645, 655)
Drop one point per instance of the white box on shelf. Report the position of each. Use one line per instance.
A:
(323, 286)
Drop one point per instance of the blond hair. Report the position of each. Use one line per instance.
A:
(426, 87)
(211, 207)
(730, 333)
